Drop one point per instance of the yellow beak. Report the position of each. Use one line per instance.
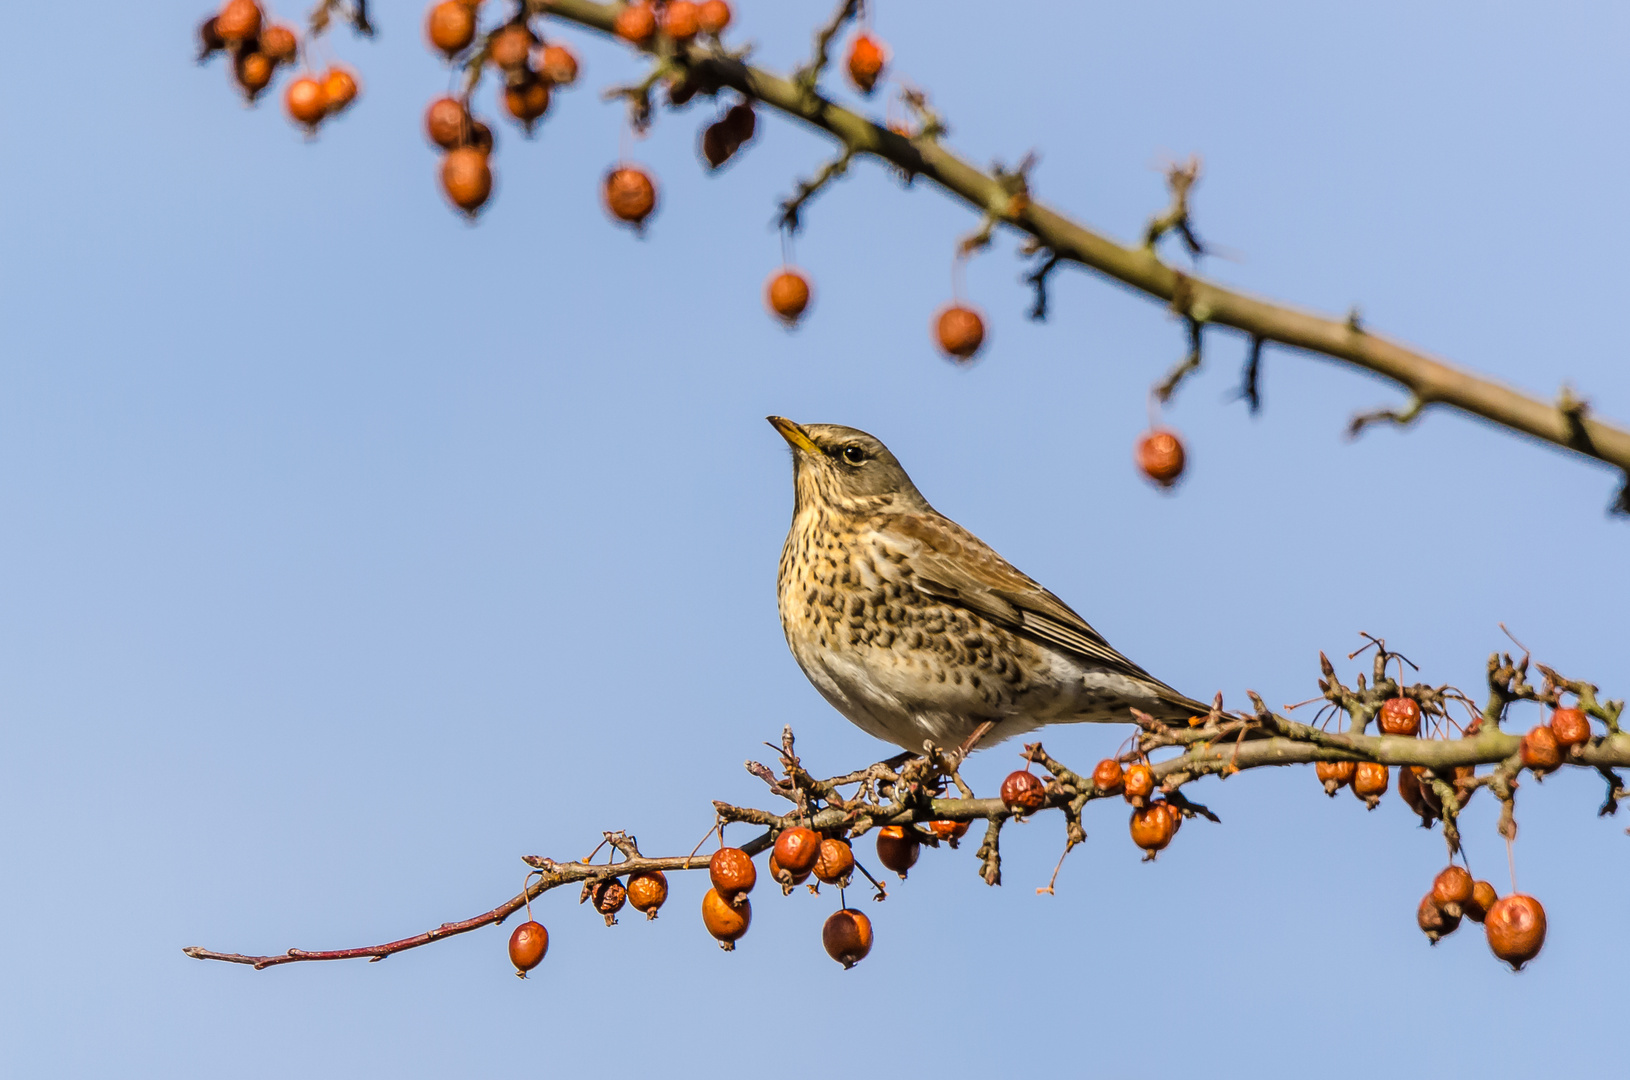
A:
(796, 437)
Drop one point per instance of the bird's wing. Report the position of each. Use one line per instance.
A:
(956, 566)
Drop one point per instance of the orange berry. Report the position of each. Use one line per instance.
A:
(898, 848)
(948, 830)
(648, 891)
(1483, 898)
(636, 22)
(1153, 827)
(847, 936)
(727, 921)
(239, 20)
(279, 43)
(1335, 774)
(1023, 791)
(305, 101)
(1400, 716)
(713, 16)
(1540, 751)
(1138, 783)
(466, 177)
(787, 294)
(510, 47)
(1571, 727)
(340, 87)
(732, 872)
(866, 61)
(557, 64)
(609, 896)
(798, 849)
(1515, 925)
(446, 122)
(1160, 457)
(253, 71)
(680, 20)
(1434, 921)
(960, 331)
(1453, 889)
(527, 101)
(527, 946)
(1108, 778)
(836, 863)
(450, 26)
(784, 877)
(630, 195)
(1370, 782)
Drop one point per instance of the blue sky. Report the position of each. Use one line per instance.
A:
(349, 552)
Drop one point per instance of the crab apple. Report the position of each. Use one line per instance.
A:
(1400, 716)
(866, 61)
(740, 122)
(450, 26)
(609, 896)
(1138, 783)
(527, 946)
(630, 195)
(713, 16)
(1160, 457)
(1153, 827)
(210, 40)
(239, 20)
(510, 47)
(898, 848)
(1370, 782)
(279, 43)
(1540, 751)
(1515, 925)
(558, 64)
(784, 877)
(1414, 786)
(1335, 775)
(680, 20)
(847, 936)
(527, 100)
(1571, 727)
(648, 891)
(798, 849)
(340, 87)
(253, 71)
(948, 830)
(446, 122)
(732, 872)
(305, 101)
(1023, 791)
(636, 22)
(1453, 890)
(1483, 898)
(959, 332)
(717, 145)
(726, 920)
(466, 177)
(1435, 922)
(480, 136)
(836, 863)
(787, 295)
(1108, 778)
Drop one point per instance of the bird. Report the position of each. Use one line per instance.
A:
(916, 630)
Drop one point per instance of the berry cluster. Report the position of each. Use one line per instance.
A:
(1514, 924)
(259, 47)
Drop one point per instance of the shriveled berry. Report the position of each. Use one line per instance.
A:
(680, 20)
(1483, 898)
(253, 71)
(558, 64)
(450, 26)
(279, 43)
(959, 331)
(847, 936)
(1370, 782)
(648, 891)
(1414, 786)
(1160, 457)
(609, 896)
(740, 122)
(1571, 727)
(1452, 890)
(510, 47)
(898, 848)
(1153, 827)
(1515, 925)
(340, 87)
(526, 101)
(527, 946)
(866, 61)
(1434, 921)
(630, 195)
(1540, 751)
(1335, 775)
(239, 20)
(784, 877)
(1138, 783)
(446, 122)
(305, 101)
(1400, 716)
(713, 16)
(1023, 791)
(836, 863)
(717, 145)
(466, 177)
(1108, 778)
(210, 40)
(732, 872)
(636, 22)
(798, 849)
(480, 137)
(726, 920)
(948, 830)
(787, 294)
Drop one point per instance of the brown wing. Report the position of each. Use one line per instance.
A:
(956, 566)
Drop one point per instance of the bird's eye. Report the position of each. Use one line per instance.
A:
(854, 455)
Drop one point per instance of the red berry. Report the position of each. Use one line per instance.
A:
(1153, 827)
(1483, 898)
(713, 16)
(526, 101)
(1023, 791)
(253, 71)
(648, 891)
(1400, 716)
(680, 20)
(866, 61)
(466, 177)
(1540, 751)
(897, 848)
(798, 849)
(279, 43)
(630, 195)
(836, 863)
(1571, 727)
(1108, 778)
(557, 64)
(239, 20)
(1452, 890)
(960, 331)
(1515, 925)
(784, 877)
(446, 122)
(847, 936)
(1335, 775)
(727, 921)
(787, 294)
(527, 946)
(510, 47)
(636, 23)
(1160, 457)
(948, 830)
(732, 872)
(450, 26)
(306, 102)
(340, 87)
(1138, 784)
(1370, 782)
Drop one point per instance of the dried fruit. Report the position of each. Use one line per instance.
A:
(960, 331)
(636, 22)
(1414, 786)
(1452, 890)
(239, 20)
(210, 40)
(717, 145)
(784, 877)
(680, 20)
(630, 195)
(648, 891)
(1483, 898)
(279, 43)
(253, 71)
(1153, 827)
(866, 61)
(787, 294)
(1138, 783)
(451, 26)
(305, 101)
(1515, 925)
(713, 16)
(609, 896)
(732, 872)
(480, 136)
(1335, 775)
(1571, 727)
(1023, 791)
(526, 101)
(1108, 778)
(466, 177)
(1370, 782)
(510, 47)
(949, 831)
(898, 848)
(1434, 921)
(340, 87)
(726, 920)
(1160, 457)
(836, 863)
(1540, 751)
(740, 122)
(527, 946)
(557, 64)
(847, 936)
(446, 122)
(798, 849)
(1400, 716)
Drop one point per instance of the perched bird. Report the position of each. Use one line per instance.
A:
(916, 630)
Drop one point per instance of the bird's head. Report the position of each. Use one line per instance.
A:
(846, 469)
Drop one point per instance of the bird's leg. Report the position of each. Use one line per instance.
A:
(972, 741)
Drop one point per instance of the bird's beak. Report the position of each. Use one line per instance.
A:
(796, 437)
